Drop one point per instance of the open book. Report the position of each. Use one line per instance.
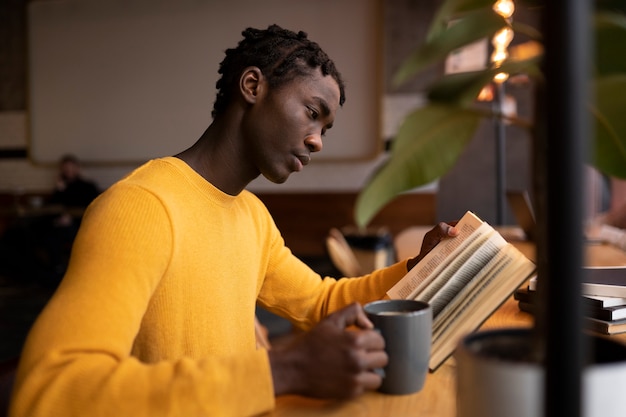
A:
(464, 279)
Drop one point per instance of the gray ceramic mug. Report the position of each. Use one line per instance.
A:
(406, 326)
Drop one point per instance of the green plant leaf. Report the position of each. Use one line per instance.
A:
(611, 5)
(609, 147)
(432, 138)
(530, 31)
(452, 8)
(428, 144)
(477, 25)
(610, 43)
(463, 88)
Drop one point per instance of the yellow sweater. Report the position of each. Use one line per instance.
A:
(155, 316)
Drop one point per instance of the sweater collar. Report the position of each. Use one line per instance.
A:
(197, 180)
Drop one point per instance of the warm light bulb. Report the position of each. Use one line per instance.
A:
(499, 56)
(503, 37)
(504, 8)
(501, 77)
(486, 94)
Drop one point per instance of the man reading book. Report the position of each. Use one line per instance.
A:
(155, 314)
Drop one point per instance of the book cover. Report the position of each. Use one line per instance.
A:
(607, 327)
(606, 313)
(607, 275)
(464, 279)
(598, 301)
(605, 281)
(602, 308)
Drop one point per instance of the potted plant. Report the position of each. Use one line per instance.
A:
(428, 144)
(432, 137)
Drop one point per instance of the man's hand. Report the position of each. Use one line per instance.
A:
(335, 359)
(432, 239)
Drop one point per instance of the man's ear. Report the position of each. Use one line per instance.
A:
(251, 84)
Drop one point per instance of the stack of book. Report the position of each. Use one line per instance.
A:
(604, 298)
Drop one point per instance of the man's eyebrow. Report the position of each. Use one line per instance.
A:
(323, 104)
(325, 108)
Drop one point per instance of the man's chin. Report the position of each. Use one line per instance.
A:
(277, 179)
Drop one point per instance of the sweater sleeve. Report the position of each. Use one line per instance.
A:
(77, 361)
(293, 290)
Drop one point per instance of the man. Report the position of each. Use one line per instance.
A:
(155, 315)
(72, 193)
(72, 190)
(37, 247)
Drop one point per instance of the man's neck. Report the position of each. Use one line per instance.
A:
(217, 158)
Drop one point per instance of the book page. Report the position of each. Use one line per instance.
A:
(605, 290)
(478, 300)
(440, 294)
(408, 286)
(452, 265)
(470, 292)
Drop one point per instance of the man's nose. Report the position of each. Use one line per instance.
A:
(314, 142)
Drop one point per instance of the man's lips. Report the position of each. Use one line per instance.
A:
(305, 159)
(300, 161)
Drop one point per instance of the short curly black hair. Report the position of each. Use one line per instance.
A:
(280, 54)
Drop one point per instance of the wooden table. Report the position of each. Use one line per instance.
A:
(438, 397)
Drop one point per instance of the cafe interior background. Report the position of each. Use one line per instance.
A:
(311, 202)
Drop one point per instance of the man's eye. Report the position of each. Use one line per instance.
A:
(314, 113)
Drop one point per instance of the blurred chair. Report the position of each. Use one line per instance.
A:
(372, 246)
(356, 252)
(341, 254)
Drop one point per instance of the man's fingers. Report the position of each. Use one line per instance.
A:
(438, 233)
(351, 315)
(444, 229)
(376, 359)
(370, 380)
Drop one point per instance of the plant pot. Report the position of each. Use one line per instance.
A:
(497, 376)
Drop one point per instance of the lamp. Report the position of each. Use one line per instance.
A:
(500, 42)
